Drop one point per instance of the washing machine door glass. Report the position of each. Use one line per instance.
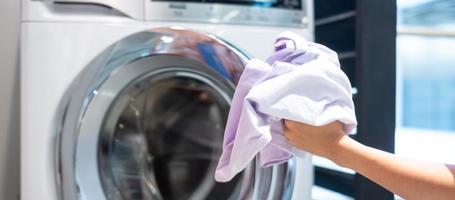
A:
(162, 138)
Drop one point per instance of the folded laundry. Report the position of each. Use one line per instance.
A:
(301, 81)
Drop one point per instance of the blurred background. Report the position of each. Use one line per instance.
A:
(426, 80)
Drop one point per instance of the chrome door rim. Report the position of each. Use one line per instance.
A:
(87, 148)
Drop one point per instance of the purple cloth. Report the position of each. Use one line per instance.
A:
(301, 81)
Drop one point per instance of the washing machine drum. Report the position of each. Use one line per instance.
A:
(145, 120)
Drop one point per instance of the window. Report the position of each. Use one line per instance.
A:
(426, 80)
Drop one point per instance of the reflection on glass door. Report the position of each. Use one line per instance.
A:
(162, 139)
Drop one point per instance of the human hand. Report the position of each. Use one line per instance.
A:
(319, 140)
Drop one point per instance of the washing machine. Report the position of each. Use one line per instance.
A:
(128, 99)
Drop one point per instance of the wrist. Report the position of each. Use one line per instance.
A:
(344, 151)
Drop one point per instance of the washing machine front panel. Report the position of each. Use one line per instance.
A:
(145, 120)
(279, 13)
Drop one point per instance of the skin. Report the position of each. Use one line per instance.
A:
(410, 179)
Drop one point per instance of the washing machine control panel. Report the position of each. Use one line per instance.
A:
(294, 13)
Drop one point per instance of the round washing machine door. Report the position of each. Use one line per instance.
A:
(145, 120)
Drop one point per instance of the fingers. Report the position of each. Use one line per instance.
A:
(294, 125)
(289, 124)
(293, 138)
(291, 135)
(294, 133)
(314, 139)
(337, 125)
(289, 130)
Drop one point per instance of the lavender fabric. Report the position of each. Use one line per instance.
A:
(301, 81)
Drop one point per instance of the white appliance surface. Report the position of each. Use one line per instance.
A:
(55, 48)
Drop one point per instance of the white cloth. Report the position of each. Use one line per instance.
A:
(304, 83)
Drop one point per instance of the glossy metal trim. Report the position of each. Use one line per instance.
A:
(87, 166)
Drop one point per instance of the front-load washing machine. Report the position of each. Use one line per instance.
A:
(128, 99)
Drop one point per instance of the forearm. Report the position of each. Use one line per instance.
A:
(407, 178)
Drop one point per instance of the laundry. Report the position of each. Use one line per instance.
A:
(300, 81)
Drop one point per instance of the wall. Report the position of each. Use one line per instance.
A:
(9, 99)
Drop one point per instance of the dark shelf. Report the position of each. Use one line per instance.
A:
(339, 36)
(327, 8)
(363, 34)
(348, 66)
(335, 180)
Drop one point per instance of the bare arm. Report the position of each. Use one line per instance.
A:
(408, 178)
